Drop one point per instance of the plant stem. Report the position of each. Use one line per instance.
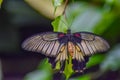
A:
(66, 2)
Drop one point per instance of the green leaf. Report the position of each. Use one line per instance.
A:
(44, 72)
(44, 64)
(68, 71)
(1, 3)
(95, 60)
(60, 24)
(57, 66)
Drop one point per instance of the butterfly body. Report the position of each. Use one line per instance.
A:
(71, 49)
(70, 45)
(62, 45)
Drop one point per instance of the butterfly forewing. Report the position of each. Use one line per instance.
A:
(90, 43)
(47, 43)
(50, 36)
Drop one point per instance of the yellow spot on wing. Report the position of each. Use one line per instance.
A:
(77, 48)
(62, 54)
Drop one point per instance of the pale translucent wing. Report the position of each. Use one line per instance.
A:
(46, 43)
(78, 55)
(62, 53)
(90, 43)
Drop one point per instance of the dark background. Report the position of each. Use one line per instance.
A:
(18, 21)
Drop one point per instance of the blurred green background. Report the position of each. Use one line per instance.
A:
(19, 19)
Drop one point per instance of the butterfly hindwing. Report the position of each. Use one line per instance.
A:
(48, 43)
(90, 43)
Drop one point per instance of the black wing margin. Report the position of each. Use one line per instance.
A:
(90, 43)
(46, 43)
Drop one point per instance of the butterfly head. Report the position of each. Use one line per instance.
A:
(68, 31)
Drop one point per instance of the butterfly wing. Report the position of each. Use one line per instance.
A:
(49, 43)
(55, 44)
(90, 43)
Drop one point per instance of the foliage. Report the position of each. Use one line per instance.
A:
(59, 24)
(68, 68)
(44, 72)
(1, 3)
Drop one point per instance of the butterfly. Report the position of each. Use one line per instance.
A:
(78, 45)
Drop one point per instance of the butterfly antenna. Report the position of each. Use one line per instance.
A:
(67, 24)
(65, 17)
(70, 21)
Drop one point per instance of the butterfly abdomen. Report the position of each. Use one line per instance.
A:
(71, 48)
